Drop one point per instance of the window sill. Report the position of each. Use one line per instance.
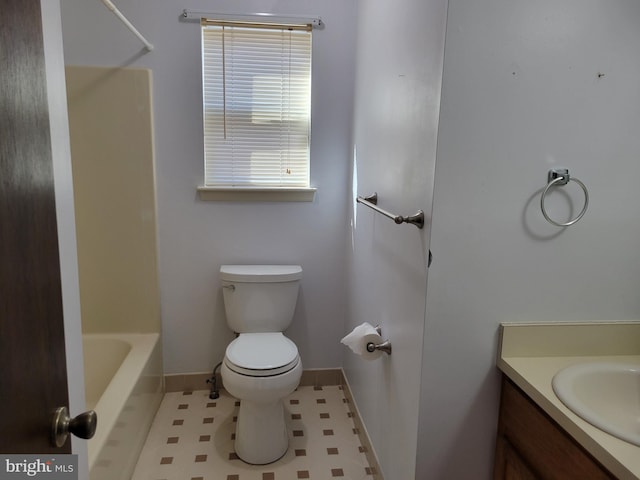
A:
(256, 194)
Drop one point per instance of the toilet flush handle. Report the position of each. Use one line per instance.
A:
(230, 287)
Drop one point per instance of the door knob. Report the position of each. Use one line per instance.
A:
(82, 426)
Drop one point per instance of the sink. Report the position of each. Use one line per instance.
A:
(605, 394)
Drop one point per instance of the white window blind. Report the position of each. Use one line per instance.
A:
(257, 105)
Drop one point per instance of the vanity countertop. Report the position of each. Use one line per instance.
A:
(531, 354)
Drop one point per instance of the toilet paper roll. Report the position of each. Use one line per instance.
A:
(359, 337)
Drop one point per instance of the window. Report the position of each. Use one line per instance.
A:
(256, 105)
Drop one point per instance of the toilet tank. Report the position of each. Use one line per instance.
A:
(260, 298)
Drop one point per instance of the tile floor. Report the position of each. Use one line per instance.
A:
(192, 439)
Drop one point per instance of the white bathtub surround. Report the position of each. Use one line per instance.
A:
(123, 381)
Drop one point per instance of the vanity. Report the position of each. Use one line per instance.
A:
(539, 436)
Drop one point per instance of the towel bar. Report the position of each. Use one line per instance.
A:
(372, 202)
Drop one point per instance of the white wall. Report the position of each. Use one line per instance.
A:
(61, 157)
(196, 237)
(521, 94)
(397, 95)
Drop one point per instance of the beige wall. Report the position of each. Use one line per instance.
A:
(113, 180)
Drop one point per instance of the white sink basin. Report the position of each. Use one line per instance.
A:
(605, 394)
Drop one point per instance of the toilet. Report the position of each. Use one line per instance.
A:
(261, 366)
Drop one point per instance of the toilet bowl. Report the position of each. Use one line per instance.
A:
(260, 385)
(261, 366)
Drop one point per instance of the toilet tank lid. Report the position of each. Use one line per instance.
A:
(260, 273)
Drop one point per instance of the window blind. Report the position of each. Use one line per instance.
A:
(257, 105)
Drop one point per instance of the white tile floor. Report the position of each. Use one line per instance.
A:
(192, 439)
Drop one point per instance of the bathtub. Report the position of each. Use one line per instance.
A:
(123, 384)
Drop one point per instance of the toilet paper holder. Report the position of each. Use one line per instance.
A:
(384, 346)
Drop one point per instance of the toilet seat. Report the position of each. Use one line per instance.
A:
(261, 354)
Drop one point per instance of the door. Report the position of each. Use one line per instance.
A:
(32, 349)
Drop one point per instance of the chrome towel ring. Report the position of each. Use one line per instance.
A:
(560, 176)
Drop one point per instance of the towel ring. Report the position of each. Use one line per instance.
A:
(560, 176)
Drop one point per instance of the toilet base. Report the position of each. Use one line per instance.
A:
(261, 432)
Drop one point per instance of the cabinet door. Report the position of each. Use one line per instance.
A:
(508, 464)
(514, 466)
(530, 441)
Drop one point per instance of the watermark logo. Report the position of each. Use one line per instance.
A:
(50, 467)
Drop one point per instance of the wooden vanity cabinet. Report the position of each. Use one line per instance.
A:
(532, 446)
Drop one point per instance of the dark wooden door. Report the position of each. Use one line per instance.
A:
(32, 355)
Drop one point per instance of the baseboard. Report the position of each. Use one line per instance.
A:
(365, 441)
(188, 382)
(316, 377)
